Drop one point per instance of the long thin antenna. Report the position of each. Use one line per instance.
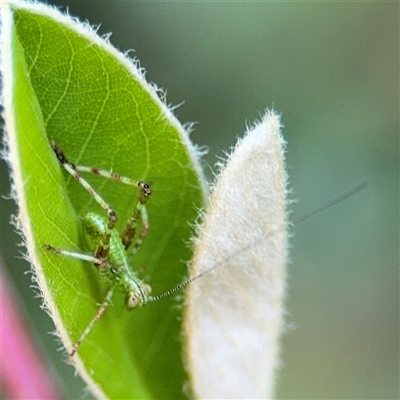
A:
(184, 284)
(345, 195)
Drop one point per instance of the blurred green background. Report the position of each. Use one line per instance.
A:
(332, 70)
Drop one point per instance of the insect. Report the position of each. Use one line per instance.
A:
(108, 248)
(106, 244)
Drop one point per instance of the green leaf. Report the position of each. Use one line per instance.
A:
(65, 83)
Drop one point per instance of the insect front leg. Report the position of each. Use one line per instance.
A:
(102, 265)
(99, 314)
(79, 256)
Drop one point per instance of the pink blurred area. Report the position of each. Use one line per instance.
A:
(23, 370)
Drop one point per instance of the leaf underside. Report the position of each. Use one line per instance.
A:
(73, 90)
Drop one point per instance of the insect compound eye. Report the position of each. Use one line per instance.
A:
(146, 288)
(132, 300)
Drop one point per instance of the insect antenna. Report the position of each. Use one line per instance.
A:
(343, 196)
(338, 199)
(215, 266)
(184, 284)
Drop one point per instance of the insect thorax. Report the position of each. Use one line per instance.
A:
(100, 240)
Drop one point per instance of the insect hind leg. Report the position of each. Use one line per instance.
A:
(73, 170)
(139, 213)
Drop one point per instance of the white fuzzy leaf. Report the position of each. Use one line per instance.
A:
(235, 313)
